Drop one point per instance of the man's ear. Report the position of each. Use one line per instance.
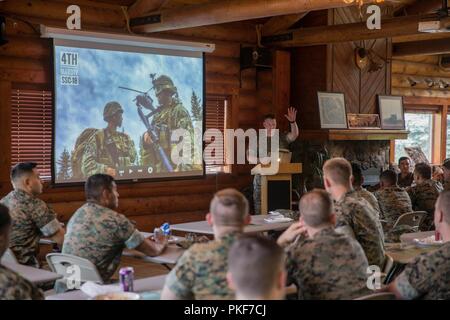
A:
(209, 218)
(362, 180)
(440, 216)
(247, 219)
(230, 281)
(327, 183)
(352, 179)
(282, 279)
(333, 219)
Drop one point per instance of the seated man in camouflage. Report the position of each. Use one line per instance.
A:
(394, 201)
(322, 263)
(13, 286)
(201, 271)
(98, 233)
(256, 269)
(32, 217)
(428, 276)
(355, 216)
(405, 177)
(357, 182)
(446, 169)
(424, 194)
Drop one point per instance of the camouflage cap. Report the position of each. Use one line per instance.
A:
(163, 83)
(111, 108)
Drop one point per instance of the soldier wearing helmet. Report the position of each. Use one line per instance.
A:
(108, 149)
(172, 116)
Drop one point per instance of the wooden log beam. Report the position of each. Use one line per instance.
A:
(400, 26)
(222, 11)
(420, 93)
(419, 7)
(419, 69)
(141, 7)
(420, 82)
(281, 23)
(56, 10)
(429, 47)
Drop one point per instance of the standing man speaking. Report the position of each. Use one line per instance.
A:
(270, 124)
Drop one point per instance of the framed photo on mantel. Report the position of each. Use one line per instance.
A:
(363, 121)
(391, 112)
(332, 110)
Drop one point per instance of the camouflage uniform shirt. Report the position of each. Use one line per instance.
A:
(428, 276)
(14, 287)
(98, 156)
(200, 273)
(363, 193)
(394, 201)
(31, 218)
(357, 218)
(423, 197)
(328, 266)
(165, 122)
(406, 181)
(99, 235)
(446, 185)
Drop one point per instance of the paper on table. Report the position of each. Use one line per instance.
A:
(93, 289)
(277, 219)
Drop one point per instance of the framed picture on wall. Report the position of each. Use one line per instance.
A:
(391, 112)
(332, 110)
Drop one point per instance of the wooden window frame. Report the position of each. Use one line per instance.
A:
(439, 107)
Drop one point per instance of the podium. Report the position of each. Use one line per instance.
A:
(276, 189)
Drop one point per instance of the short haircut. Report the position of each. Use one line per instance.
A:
(21, 169)
(255, 264)
(5, 218)
(338, 170)
(446, 164)
(316, 208)
(443, 203)
(95, 184)
(402, 159)
(423, 170)
(389, 177)
(357, 174)
(269, 116)
(229, 207)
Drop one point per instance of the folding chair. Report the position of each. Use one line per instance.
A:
(59, 263)
(378, 296)
(411, 219)
(9, 256)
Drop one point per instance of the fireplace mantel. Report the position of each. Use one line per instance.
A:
(353, 134)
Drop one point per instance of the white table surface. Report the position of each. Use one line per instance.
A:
(409, 237)
(169, 256)
(140, 285)
(257, 225)
(34, 275)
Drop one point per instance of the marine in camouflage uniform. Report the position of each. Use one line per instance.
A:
(99, 235)
(363, 193)
(404, 182)
(14, 287)
(356, 217)
(282, 144)
(108, 148)
(171, 116)
(200, 273)
(427, 277)
(423, 197)
(31, 218)
(394, 201)
(328, 266)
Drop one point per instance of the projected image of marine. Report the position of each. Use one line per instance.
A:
(107, 150)
(170, 115)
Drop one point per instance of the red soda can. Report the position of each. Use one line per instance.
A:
(126, 276)
(437, 236)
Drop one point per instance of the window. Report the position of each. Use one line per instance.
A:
(216, 118)
(420, 126)
(31, 129)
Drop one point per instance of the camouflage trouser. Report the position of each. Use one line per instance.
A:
(257, 193)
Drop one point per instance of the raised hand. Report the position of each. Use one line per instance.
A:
(291, 115)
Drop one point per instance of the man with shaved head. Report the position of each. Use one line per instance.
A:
(321, 262)
(201, 271)
(428, 276)
(256, 269)
(355, 216)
